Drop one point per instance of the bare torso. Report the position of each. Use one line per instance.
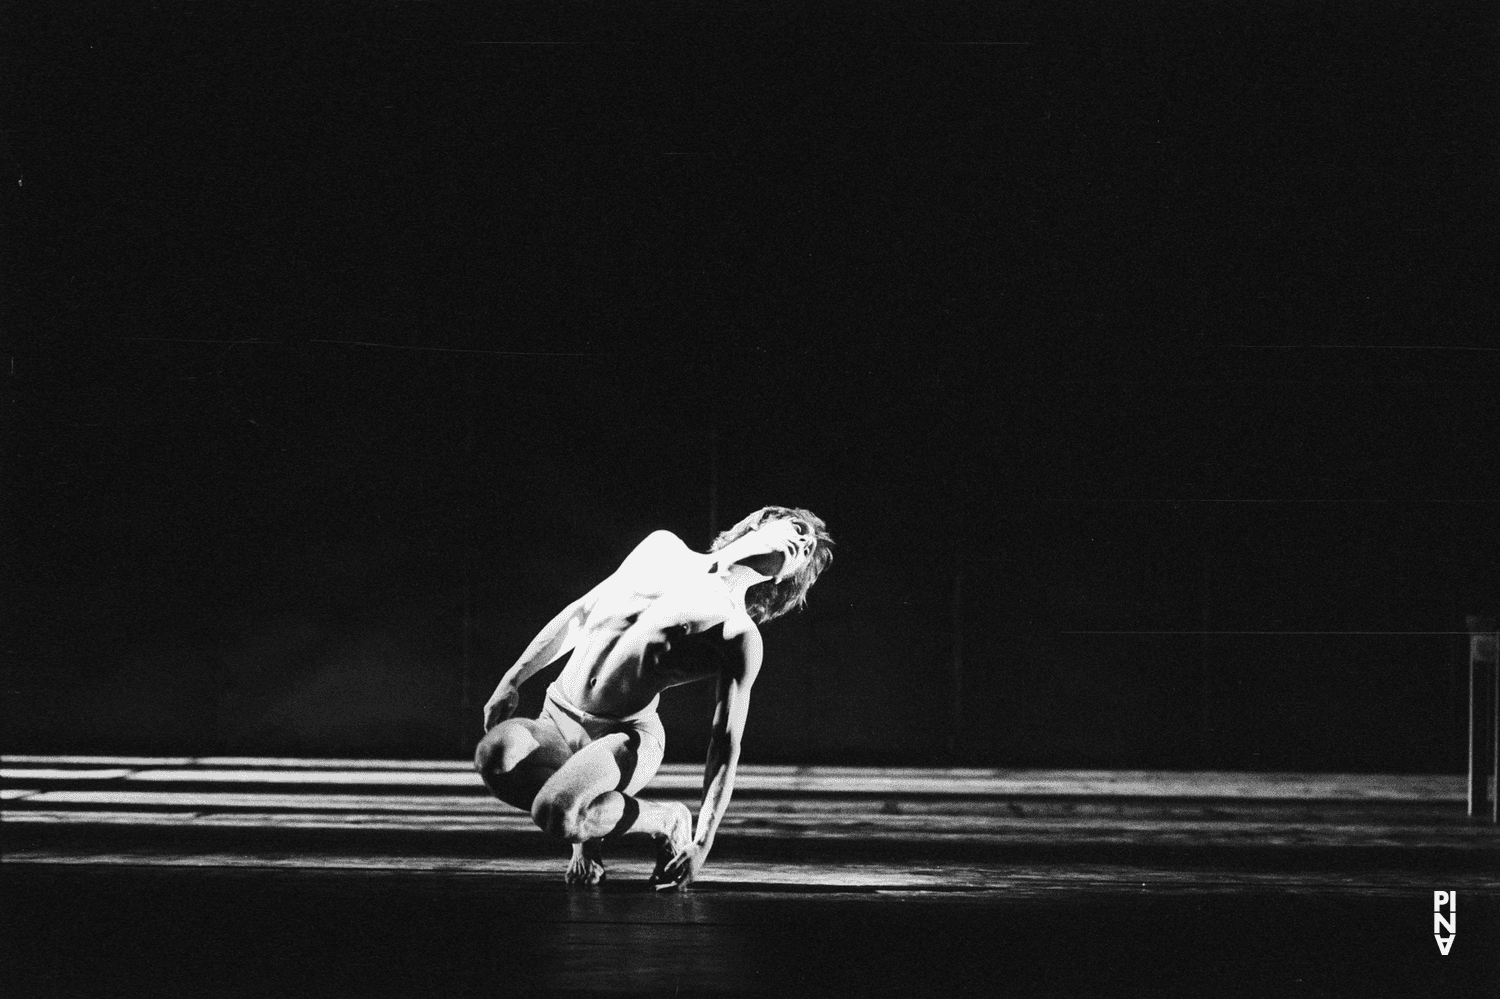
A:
(664, 618)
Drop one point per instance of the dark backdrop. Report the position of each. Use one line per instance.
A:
(353, 343)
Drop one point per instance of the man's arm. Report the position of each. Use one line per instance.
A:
(724, 742)
(555, 640)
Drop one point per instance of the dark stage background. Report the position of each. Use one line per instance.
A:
(352, 343)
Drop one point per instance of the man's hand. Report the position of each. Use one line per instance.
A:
(502, 704)
(680, 870)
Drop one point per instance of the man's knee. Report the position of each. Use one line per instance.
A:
(502, 750)
(487, 754)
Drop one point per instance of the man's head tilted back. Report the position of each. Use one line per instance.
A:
(803, 540)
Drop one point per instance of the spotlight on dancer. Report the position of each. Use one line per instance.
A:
(667, 616)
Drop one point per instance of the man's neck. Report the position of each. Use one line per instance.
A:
(739, 579)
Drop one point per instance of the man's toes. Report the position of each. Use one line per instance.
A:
(587, 865)
(585, 874)
(664, 855)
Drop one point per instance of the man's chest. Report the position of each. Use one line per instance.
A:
(681, 656)
(686, 602)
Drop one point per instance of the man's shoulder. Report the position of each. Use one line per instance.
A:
(661, 538)
(740, 629)
(658, 565)
(658, 544)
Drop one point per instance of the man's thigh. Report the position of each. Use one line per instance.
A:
(620, 761)
(520, 755)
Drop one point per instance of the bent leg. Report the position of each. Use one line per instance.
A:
(592, 796)
(517, 757)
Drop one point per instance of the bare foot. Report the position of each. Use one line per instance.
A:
(587, 865)
(676, 841)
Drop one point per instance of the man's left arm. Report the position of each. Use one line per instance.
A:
(733, 708)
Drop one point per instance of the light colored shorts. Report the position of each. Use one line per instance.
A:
(579, 728)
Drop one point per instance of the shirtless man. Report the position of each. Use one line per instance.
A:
(579, 765)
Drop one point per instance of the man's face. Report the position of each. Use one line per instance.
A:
(790, 538)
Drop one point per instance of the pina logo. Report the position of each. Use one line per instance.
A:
(1445, 923)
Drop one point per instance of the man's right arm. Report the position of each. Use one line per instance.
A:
(555, 640)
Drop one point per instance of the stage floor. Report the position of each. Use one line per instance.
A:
(751, 929)
(277, 878)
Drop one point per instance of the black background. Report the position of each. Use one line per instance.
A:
(355, 340)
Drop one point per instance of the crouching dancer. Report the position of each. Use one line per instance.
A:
(666, 616)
